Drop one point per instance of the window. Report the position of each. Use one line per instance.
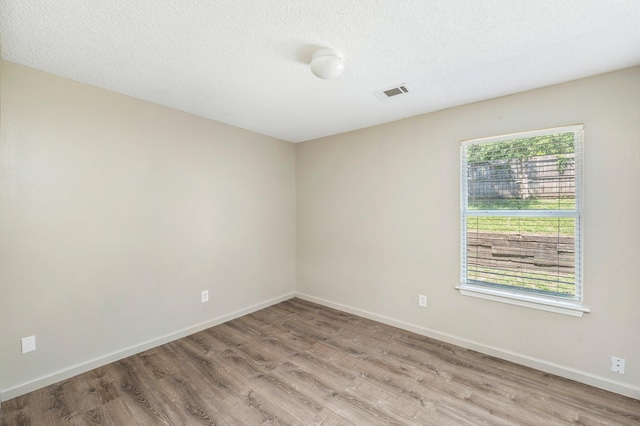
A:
(521, 212)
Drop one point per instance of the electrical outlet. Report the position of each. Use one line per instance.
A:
(28, 344)
(617, 365)
(205, 296)
(422, 300)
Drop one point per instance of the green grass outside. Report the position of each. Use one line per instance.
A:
(523, 204)
(528, 281)
(522, 225)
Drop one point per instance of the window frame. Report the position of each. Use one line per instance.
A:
(552, 303)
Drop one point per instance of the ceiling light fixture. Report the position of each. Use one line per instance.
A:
(327, 64)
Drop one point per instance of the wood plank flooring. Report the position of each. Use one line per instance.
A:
(298, 363)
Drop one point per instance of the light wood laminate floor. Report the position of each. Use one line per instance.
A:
(298, 363)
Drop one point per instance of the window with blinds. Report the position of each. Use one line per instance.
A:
(521, 205)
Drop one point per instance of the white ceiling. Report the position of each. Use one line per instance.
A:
(245, 62)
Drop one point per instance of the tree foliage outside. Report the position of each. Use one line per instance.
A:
(558, 144)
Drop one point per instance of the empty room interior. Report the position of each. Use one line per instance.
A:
(237, 212)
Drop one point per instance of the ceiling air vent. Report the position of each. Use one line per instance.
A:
(392, 92)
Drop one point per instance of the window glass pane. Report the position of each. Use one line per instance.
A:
(536, 173)
(534, 254)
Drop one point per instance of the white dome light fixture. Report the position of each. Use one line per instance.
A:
(327, 64)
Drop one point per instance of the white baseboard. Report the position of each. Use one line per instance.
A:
(74, 370)
(539, 364)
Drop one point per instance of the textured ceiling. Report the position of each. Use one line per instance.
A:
(245, 62)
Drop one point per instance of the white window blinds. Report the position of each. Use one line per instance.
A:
(521, 210)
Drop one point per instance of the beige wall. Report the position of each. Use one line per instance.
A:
(379, 223)
(115, 213)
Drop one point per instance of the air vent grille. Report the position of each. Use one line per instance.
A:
(400, 89)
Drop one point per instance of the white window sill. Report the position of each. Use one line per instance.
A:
(558, 306)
